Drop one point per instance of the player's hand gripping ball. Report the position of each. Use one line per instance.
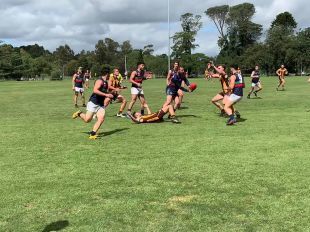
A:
(192, 86)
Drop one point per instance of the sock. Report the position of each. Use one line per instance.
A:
(129, 110)
(120, 112)
(142, 111)
(161, 114)
(231, 117)
(92, 133)
(79, 113)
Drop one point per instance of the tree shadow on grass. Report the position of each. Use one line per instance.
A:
(56, 226)
(107, 133)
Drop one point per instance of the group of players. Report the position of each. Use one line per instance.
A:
(109, 85)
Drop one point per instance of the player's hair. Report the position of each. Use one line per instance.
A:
(140, 63)
(105, 71)
(235, 66)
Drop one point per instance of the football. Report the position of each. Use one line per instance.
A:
(192, 86)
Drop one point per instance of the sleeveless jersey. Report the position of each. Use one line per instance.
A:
(256, 79)
(239, 85)
(139, 78)
(97, 99)
(282, 72)
(79, 81)
(224, 83)
(87, 75)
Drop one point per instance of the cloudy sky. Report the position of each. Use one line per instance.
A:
(81, 23)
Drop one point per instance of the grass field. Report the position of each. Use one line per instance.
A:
(199, 175)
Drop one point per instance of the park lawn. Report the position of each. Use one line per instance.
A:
(200, 175)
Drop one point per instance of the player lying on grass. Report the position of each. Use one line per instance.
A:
(154, 117)
(95, 106)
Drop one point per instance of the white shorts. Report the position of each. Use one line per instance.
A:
(234, 98)
(137, 91)
(78, 90)
(258, 85)
(91, 107)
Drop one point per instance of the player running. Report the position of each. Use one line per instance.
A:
(234, 95)
(136, 78)
(115, 86)
(281, 72)
(87, 77)
(155, 117)
(95, 106)
(78, 86)
(255, 75)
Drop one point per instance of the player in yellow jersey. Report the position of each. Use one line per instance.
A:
(281, 72)
(115, 81)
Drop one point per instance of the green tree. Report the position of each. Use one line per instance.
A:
(184, 42)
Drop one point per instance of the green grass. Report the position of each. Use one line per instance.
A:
(196, 176)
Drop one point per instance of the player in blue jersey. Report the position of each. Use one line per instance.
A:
(95, 105)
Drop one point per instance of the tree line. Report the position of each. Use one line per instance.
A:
(240, 40)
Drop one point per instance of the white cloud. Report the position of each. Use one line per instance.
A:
(81, 23)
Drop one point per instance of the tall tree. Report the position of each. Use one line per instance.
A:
(219, 15)
(285, 20)
(184, 41)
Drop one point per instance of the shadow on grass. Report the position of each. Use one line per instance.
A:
(56, 226)
(106, 133)
(188, 115)
(183, 108)
(241, 119)
(255, 98)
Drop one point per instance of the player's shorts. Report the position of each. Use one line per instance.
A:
(137, 91)
(257, 84)
(78, 90)
(234, 98)
(92, 107)
(171, 92)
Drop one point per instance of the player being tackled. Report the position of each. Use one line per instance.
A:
(154, 117)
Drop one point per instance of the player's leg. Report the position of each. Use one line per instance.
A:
(229, 108)
(259, 88)
(132, 102)
(215, 100)
(144, 104)
(283, 83)
(75, 98)
(88, 116)
(123, 102)
(181, 96)
(177, 102)
(83, 97)
(280, 82)
(251, 91)
(100, 119)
